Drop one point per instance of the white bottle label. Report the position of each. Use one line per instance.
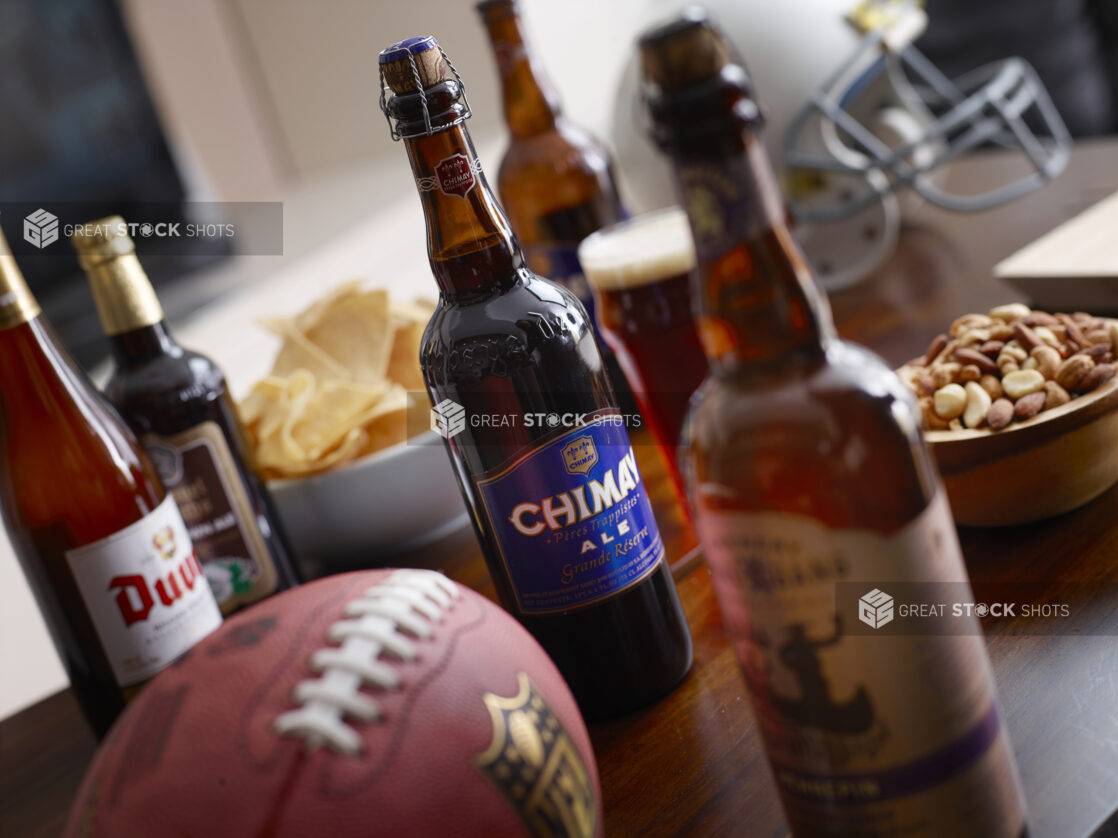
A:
(146, 593)
(867, 734)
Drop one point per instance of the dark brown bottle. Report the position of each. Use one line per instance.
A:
(816, 503)
(558, 505)
(555, 181)
(103, 547)
(177, 403)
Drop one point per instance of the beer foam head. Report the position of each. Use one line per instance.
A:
(640, 251)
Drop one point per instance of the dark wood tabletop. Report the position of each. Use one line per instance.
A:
(692, 764)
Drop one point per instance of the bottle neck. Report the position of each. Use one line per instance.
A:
(757, 302)
(17, 306)
(125, 300)
(143, 344)
(531, 104)
(470, 243)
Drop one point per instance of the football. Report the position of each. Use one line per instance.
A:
(384, 702)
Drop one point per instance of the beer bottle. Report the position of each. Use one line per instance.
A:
(541, 451)
(177, 403)
(103, 547)
(809, 477)
(555, 181)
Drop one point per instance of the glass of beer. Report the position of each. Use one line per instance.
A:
(639, 271)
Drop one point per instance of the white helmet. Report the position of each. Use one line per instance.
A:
(853, 114)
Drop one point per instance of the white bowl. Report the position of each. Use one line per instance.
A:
(398, 499)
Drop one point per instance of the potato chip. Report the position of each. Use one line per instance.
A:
(298, 352)
(339, 387)
(357, 331)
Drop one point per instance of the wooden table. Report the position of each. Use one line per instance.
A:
(692, 764)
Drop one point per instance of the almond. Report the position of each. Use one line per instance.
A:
(973, 356)
(1095, 378)
(1114, 336)
(1030, 405)
(991, 348)
(1040, 318)
(934, 348)
(1026, 336)
(1000, 414)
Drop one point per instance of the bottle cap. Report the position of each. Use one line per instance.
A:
(102, 241)
(418, 70)
(121, 289)
(413, 63)
(17, 306)
(684, 52)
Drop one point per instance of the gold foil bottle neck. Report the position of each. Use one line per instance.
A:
(121, 289)
(17, 306)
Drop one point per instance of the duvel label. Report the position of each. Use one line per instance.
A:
(573, 522)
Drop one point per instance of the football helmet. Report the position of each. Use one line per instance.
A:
(858, 121)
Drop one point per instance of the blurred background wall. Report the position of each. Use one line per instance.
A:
(262, 93)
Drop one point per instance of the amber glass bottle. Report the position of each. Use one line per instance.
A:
(103, 547)
(542, 455)
(809, 477)
(555, 181)
(177, 403)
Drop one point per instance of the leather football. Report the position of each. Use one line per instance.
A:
(379, 703)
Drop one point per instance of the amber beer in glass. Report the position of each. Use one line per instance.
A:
(177, 403)
(104, 549)
(559, 507)
(808, 471)
(640, 271)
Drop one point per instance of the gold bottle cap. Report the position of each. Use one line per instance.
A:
(121, 289)
(17, 306)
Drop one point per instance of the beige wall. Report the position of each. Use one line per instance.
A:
(259, 93)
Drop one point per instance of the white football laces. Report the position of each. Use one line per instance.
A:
(383, 622)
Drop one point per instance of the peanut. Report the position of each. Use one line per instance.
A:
(992, 385)
(944, 374)
(931, 421)
(1010, 312)
(950, 401)
(1055, 395)
(1022, 383)
(967, 322)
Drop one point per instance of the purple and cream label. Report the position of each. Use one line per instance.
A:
(571, 517)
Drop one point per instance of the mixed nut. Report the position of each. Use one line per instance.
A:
(1012, 363)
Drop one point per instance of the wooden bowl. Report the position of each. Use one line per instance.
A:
(1052, 463)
